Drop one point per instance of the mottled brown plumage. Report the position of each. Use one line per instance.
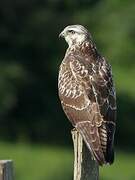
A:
(87, 93)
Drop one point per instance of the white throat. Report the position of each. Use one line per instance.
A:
(75, 39)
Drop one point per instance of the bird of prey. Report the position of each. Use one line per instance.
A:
(87, 93)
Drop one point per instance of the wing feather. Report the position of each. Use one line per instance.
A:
(88, 99)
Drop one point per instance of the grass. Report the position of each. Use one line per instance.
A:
(35, 162)
(122, 169)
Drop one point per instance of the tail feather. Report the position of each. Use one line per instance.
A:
(91, 137)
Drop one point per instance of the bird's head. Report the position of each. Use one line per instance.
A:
(75, 34)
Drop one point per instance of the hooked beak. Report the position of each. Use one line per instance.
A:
(61, 34)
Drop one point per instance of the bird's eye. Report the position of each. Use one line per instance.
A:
(71, 31)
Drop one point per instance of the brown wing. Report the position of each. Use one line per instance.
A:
(79, 100)
(106, 98)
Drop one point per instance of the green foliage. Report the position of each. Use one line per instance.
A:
(30, 54)
(38, 162)
(50, 162)
(123, 168)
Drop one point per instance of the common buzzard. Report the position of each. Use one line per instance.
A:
(87, 93)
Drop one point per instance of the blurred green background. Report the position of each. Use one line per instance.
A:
(34, 131)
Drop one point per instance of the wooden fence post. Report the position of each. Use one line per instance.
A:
(85, 168)
(6, 170)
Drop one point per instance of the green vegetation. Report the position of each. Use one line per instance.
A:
(122, 169)
(30, 54)
(40, 162)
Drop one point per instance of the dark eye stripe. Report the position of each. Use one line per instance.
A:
(71, 31)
